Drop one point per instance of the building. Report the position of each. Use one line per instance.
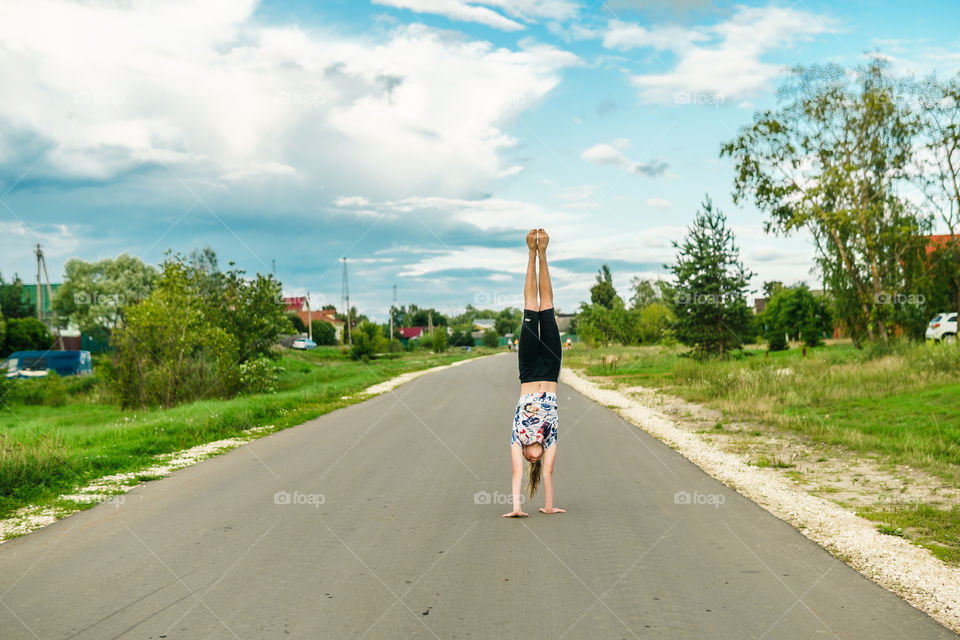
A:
(298, 305)
(410, 333)
(482, 324)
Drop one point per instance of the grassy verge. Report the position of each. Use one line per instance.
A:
(47, 451)
(898, 404)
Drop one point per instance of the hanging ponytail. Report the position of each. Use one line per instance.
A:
(533, 481)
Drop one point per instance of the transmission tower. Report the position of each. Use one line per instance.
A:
(345, 292)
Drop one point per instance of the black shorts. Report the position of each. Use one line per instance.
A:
(539, 353)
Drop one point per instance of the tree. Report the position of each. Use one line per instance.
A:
(438, 340)
(252, 311)
(168, 351)
(12, 301)
(644, 293)
(298, 324)
(829, 160)
(507, 320)
(324, 332)
(490, 338)
(938, 170)
(95, 294)
(655, 322)
(709, 303)
(27, 334)
(603, 293)
(796, 314)
(3, 333)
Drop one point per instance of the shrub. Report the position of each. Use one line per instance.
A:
(260, 375)
(490, 338)
(324, 332)
(27, 334)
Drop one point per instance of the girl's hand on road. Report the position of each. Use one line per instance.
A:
(553, 510)
(516, 514)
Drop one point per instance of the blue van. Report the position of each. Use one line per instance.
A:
(36, 364)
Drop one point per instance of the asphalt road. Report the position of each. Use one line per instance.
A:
(392, 530)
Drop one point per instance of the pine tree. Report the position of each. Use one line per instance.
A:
(709, 302)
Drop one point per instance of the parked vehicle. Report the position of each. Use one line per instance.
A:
(943, 327)
(304, 343)
(37, 364)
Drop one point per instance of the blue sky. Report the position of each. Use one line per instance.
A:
(419, 138)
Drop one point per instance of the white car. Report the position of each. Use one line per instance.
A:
(304, 343)
(943, 327)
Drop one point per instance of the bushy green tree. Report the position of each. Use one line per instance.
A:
(169, 351)
(297, 322)
(490, 338)
(95, 294)
(656, 319)
(27, 334)
(831, 159)
(796, 314)
(711, 286)
(439, 340)
(368, 341)
(324, 332)
(12, 299)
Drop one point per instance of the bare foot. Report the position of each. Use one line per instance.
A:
(553, 510)
(544, 240)
(516, 514)
(532, 240)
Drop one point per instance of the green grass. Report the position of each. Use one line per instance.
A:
(936, 529)
(901, 401)
(47, 451)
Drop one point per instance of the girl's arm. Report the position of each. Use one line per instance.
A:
(516, 455)
(549, 456)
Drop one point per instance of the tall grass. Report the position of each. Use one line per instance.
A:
(901, 399)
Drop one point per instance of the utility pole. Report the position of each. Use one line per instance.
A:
(309, 317)
(42, 263)
(346, 300)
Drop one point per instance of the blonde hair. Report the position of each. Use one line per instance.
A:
(533, 480)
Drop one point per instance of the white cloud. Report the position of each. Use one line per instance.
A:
(603, 154)
(609, 154)
(200, 87)
(510, 171)
(716, 62)
(473, 11)
(658, 203)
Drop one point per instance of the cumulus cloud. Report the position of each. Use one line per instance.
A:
(203, 89)
(658, 203)
(610, 154)
(475, 11)
(717, 62)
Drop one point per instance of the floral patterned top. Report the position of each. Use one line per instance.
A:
(535, 419)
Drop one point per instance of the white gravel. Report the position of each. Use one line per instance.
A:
(906, 569)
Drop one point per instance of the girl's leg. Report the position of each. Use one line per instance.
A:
(546, 288)
(530, 285)
(528, 349)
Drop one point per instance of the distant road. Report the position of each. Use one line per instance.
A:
(404, 544)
